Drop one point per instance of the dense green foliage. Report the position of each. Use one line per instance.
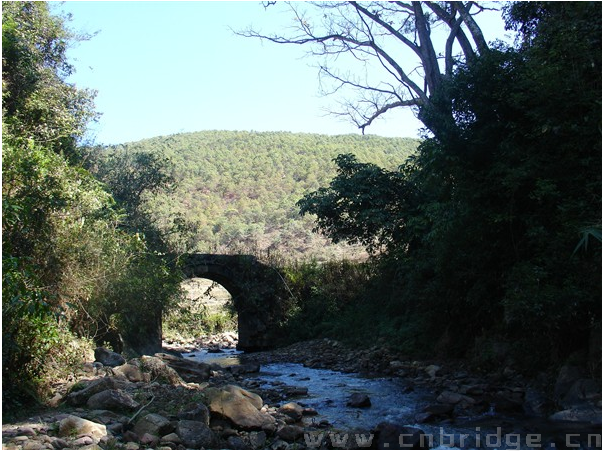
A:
(479, 229)
(237, 190)
(206, 309)
(71, 265)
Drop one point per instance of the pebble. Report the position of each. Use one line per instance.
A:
(59, 443)
(83, 441)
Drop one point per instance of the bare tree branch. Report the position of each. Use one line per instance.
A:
(398, 36)
(474, 29)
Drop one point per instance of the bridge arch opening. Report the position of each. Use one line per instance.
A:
(205, 311)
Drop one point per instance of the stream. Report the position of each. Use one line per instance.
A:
(391, 401)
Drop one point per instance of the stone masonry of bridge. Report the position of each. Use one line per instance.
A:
(253, 287)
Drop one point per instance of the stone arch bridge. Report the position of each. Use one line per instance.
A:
(256, 289)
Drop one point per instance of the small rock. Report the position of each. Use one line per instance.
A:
(244, 368)
(149, 439)
(195, 434)
(236, 442)
(432, 370)
(581, 415)
(35, 444)
(195, 412)
(55, 400)
(132, 445)
(153, 424)
(108, 358)
(434, 412)
(82, 441)
(171, 438)
(257, 439)
(309, 411)
(292, 410)
(295, 391)
(115, 428)
(568, 374)
(131, 373)
(396, 365)
(359, 400)
(73, 426)
(279, 444)
(290, 433)
(59, 443)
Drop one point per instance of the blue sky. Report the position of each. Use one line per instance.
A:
(169, 67)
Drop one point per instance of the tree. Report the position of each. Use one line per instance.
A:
(417, 46)
(66, 264)
(496, 210)
(363, 204)
(36, 101)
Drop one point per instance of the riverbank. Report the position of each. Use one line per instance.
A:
(163, 402)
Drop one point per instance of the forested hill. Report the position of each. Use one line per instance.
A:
(239, 189)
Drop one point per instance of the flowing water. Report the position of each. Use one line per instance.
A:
(391, 400)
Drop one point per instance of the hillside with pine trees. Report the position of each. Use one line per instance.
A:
(237, 191)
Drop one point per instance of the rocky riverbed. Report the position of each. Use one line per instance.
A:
(166, 402)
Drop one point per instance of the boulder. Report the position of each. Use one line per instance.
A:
(153, 424)
(189, 370)
(359, 400)
(582, 391)
(131, 373)
(80, 397)
(196, 435)
(112, 400)
(73, 426)
(160, 370)
(108, 358)
(239, 406)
